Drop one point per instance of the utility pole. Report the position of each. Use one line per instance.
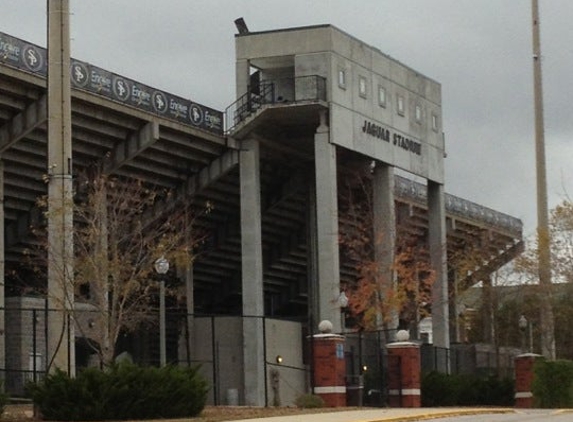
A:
(544, 247)
(60, 296)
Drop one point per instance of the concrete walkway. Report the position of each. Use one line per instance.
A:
(383, 415)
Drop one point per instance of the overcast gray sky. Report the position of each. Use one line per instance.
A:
(479, 50)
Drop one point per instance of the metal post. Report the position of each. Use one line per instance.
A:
(530, 337)
(161, 266)
(162, 339)
(265, 360)
(214, 356)
(34, 344)
(544, 256)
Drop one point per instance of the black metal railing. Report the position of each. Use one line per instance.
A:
(275, 92)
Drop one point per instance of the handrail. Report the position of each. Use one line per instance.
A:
(273, 92)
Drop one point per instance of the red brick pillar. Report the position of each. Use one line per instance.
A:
(524, 379)
(404, 374)
(329, 369)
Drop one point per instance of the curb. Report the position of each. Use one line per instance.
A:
(444, 414)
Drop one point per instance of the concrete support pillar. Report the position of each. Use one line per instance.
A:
(384, 231)
(404, 378)
(437, 243)
(312, 259)
(2, 271)
(329, 369)
(524, 379)
(252, 274)
(456, 328)
(327, 226)
(488, 320)
(60, 199)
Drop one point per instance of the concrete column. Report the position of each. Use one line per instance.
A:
(252, 274)
(329, 369)
(524, 379)
(488, 320)
(438, 256)
(327, 226)
(384, 230)
(2, 271)
(312, 259)
(60, 199)
(456, 324)
(404, 379)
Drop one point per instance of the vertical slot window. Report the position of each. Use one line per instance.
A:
(362, 86)
(381, 96)
(418, 113)
(400, 107)
(342, 78)
(435, 122)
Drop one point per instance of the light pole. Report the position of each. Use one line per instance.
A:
(523, 323)
(161, 267)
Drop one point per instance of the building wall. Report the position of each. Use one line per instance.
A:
(284, 339)
(218, 341)
(409, 137)
(362, 122)
(218, 348)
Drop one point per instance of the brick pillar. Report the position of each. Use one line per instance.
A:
(404, 374)
(329, 369)
(523, 379)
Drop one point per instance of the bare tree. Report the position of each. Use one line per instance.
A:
(118, 235)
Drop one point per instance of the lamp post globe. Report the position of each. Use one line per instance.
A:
(161, 265)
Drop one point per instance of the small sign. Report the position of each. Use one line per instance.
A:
(339, 351)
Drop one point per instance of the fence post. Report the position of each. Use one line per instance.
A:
(329, 366)
(405, 378)
(524, 379)
(214, 357)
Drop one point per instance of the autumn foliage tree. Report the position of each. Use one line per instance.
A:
(381, 297)
(121, 226)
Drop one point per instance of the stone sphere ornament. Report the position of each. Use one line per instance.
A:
(325, 326)
(402, 335)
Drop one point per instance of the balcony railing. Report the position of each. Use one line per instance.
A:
(280, 91)
(417, 192)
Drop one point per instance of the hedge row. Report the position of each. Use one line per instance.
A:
(553, 384)
(121, 392)
(440, 389)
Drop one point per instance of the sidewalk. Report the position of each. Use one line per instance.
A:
(384, 415)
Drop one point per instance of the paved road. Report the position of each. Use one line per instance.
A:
(435, 414)
(518, 416)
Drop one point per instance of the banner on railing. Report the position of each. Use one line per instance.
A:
(31, 58)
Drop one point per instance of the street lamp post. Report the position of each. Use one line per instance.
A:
(522, 327)
(161, 267)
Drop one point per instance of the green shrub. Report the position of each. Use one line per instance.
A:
(553, 384)
(439, 389)
(124, 391)
(309, 401)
